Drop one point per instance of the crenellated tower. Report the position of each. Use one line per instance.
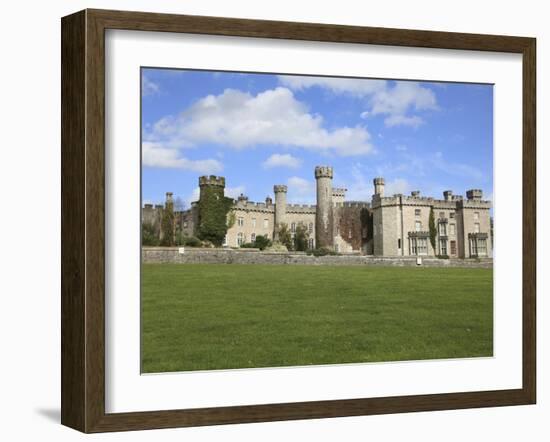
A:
(324, 216)
(280, 207)
(216, 183)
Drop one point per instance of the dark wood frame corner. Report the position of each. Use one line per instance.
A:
(83, 220)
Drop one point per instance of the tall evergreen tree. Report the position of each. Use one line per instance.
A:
(433, 230)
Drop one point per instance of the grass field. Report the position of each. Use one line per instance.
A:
(203, 317)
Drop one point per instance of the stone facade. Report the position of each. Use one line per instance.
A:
(392, 226)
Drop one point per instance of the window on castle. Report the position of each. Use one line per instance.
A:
(224, 241)
(253, 222)
(476, 215)
(443, 229)
(452, 215)
(185, 224)
(240, 221)
(476, 228)
(266, 223)
(442, 214)
(310, 228)
(399, 243)
(350, 234)
(452, 229)
(240, 238)
(418, 226)
(293, 227)
(419, 246)
(453, 247)
(253, 237)
(310, 243)
(481, 247)
(417, 212)
(422, 246)
(443, 247)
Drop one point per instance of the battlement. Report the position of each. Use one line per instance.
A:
(355, 204)
(253, 206)
(474, 194)
(378, 181)
(280, 188)
(301, 208)
(323, 172)
(339, 192)
(242, 198)
(212, 180)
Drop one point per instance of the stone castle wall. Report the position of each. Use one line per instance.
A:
(172, 255)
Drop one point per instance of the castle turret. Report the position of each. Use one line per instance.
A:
(323, 218)
(379, 186)
(216, 183)
(280, 207)
(448, 195)
(474, 194)
(169, 198)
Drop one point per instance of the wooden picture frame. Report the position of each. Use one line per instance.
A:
(83, 220)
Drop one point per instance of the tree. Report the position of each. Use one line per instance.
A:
(300, 238)
(179, 204)
(149, 236)
(167, 225)
(285, 238)
(433, 230)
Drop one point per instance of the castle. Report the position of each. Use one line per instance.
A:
(396, 225)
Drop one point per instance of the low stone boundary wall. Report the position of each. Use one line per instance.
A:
(254, 256)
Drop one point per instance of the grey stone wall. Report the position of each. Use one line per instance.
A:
(254, 256)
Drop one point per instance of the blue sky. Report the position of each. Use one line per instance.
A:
(258, 130)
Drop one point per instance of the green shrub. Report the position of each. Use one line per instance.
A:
(262, 242)
(443, 256)
(323, 251)
(300, 238)
(248, 245)
(191, 241)
(285, 238)
(149, 236)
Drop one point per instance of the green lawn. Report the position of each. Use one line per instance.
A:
(204, 317)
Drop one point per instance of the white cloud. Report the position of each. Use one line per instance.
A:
(399, 185)
(362, 188)
(396, 102)
(403, 120)
(155, 155)
(148, 87)
(300, 190)
(455, 169)
(282, 160)
(234, 192)
(240, 120)
(353, 86)
(404, 96)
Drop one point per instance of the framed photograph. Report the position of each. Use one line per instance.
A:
(269, 220)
